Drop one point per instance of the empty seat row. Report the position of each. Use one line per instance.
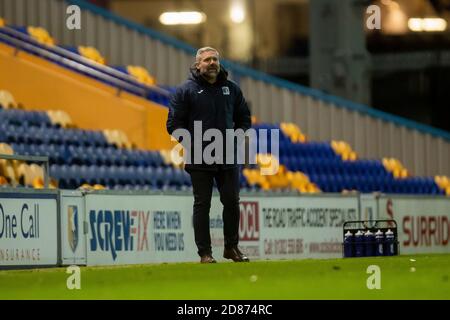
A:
(331, 183)
(25, 118)
(52, 135)
(74, 176)
(112, 156)
(312, 165)
(308, 149)
(81, 155)
(165, 188)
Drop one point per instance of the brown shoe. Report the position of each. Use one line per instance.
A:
(235, 254)
(207, 258)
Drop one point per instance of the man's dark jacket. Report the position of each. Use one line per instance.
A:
(220, 105)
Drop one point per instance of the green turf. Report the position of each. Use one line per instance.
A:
(288, 279)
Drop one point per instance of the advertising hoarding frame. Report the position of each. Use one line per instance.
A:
(9, 193)
(15, 193)
(77, 194)
(381, 198)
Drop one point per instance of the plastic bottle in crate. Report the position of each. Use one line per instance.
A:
(369, 241)
(348, 244)
(389, 249)
(359, 244)
(379, 243)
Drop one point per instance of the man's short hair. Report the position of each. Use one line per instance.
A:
(204, 49)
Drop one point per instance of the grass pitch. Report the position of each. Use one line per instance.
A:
(402, 277)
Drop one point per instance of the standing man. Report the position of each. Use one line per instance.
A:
(209, 97)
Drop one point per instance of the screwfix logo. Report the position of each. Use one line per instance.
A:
(119, 230)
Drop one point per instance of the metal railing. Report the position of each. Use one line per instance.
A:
(79, 63)
(38, 159)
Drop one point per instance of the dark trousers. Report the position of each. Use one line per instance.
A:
(227, 182)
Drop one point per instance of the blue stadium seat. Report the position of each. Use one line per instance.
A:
(159, 176)
(168, 176)
(187, 179)
(149, 174)
(111, 176)
(140, 175)
(56, 171)
(178, 177)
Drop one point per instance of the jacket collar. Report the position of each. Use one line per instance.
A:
(221, 77)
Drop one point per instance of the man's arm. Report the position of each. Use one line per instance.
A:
(242, 117)
(178, 112)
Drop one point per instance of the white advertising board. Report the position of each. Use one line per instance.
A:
(289, 227)
(305, 227)
(28, 229)
(368, 206)
(132, 229)
(423, 222)
(249, 228)
(73, 239)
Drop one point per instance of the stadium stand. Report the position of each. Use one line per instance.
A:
(139, 73)
(92, 54)
(88, 158)
(38, 41)
(109, 159)
(78, 157)
(333, 167)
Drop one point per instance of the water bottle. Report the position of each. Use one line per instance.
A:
(379, 243)
(359, 244)
(369, 240)
(389, 243)
(348, 245)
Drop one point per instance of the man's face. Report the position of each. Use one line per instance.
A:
(209, 65)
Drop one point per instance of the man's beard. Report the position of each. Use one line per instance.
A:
(207, 75)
